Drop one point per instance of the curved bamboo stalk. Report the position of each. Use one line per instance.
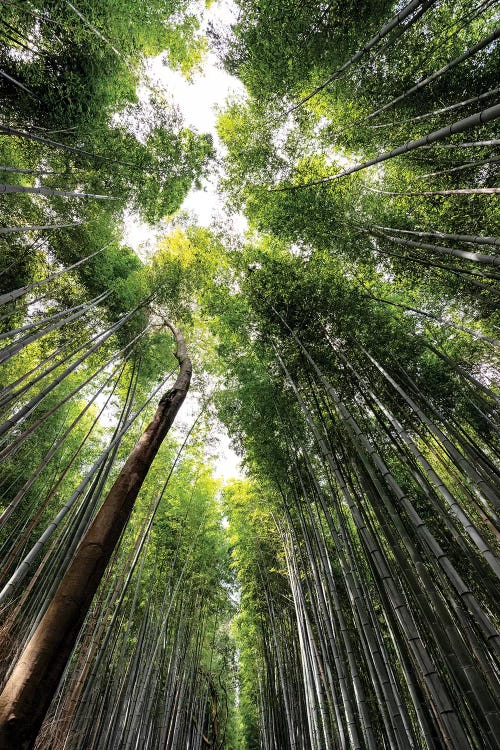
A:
(7, 130)
(474, 239)
(394, 21)
(480, 118)
(17, 83)
(438, 73)
(16, 293)
(33, 402)
(50, 191)
(441, 321)
(489, 260)
(434, 113)
(460, 191)
(38, 227)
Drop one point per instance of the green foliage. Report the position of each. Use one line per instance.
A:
(263, 47)
(296, 331)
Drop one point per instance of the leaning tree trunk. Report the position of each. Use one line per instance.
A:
(33, 682)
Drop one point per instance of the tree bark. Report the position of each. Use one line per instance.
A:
(32, 685)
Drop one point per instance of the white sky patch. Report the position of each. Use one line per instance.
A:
(197, 100)
(140, 236)
(334, 156)
(226, 463)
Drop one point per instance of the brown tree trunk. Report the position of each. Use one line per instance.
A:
(34, 681)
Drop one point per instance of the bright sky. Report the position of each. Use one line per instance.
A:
(197, 100)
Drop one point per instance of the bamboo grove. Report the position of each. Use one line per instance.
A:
(341, 592)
